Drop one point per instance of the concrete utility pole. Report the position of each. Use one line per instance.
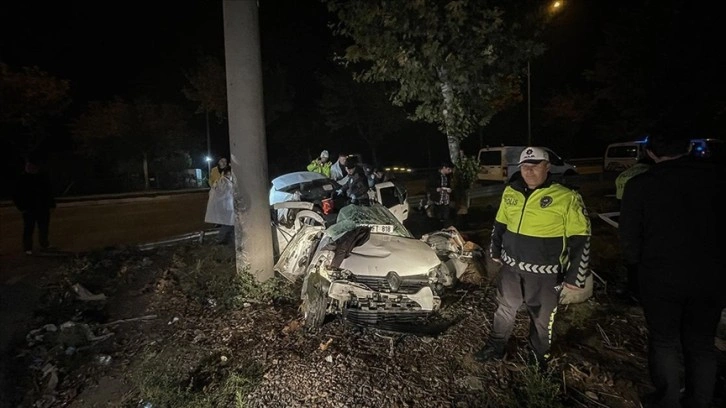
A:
(248, 152)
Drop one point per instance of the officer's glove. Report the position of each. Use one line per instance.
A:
(572, 294)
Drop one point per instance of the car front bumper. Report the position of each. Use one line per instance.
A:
(359, 296)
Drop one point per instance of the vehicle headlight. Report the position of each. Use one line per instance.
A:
(434, 274)
(394, 281)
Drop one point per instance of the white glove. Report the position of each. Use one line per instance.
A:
(572, 294)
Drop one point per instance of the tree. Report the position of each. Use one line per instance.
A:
(455, 63)
(208, 87)
(30, 99)
(141, 130)
(361, 107)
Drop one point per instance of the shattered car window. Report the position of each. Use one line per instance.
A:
(376, 216)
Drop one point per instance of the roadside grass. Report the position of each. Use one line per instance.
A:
(208, 274)
(534, 388)
(188, 376)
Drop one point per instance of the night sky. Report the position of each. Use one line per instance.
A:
(142, 48)
(126, 49)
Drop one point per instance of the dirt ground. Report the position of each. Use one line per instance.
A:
(176, 327)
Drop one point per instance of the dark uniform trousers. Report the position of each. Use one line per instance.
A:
(40, 217)
(539, 293)
(688, 323)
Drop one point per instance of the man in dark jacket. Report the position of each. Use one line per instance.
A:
(356, 185)
(33, 196)
(670, 221)
(439, 191)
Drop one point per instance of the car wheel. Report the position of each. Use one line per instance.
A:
(314, 301)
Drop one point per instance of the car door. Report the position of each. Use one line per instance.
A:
(296, 257)
(394, 198)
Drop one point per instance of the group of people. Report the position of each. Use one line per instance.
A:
(356, 179)
(668, 228)
(670, 220)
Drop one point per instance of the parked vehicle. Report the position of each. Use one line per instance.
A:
(502, 163)
(390, 277)
(708, 148)
(620, 156)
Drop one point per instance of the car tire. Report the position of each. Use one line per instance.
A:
(314, 301)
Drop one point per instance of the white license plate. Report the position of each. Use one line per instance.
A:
(380, 228)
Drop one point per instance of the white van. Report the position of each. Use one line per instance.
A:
(502, 163)
(620, 156)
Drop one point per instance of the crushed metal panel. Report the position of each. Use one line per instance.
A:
(295, 259)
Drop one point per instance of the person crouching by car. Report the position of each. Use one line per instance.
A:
(356, 186)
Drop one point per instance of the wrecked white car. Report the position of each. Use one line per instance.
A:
(368, 267)
(315, 188)
(306, 197)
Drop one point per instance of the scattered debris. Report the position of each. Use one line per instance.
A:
(324, 345)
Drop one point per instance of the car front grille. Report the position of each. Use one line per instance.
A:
(409, 284)
(378, 318)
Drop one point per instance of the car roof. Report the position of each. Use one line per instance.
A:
(295, 178)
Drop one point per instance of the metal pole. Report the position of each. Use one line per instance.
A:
(209, 148)
(529, 108)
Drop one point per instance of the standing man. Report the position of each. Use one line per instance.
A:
(439, 191)
(670, 221)
(541, 237)
(337, 169)
(33, 196)
(217, 171)
(321, 164)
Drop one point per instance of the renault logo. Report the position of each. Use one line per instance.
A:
(394, 281)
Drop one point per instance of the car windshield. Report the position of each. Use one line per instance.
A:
(375, 216)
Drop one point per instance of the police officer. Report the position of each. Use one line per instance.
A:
(541, 236)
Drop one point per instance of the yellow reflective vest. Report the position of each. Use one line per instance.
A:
(545, 230)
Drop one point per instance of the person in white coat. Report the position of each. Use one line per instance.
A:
(220, 206)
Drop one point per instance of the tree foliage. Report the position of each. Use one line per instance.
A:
(207, 86)
(140, 130)
(361, 108)
(30, 98)
(454, 63)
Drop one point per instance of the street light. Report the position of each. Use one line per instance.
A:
(209, 144)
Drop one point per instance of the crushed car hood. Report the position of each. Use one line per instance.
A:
(384, 253)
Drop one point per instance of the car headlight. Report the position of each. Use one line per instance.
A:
(394, 281)
(434, 274)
